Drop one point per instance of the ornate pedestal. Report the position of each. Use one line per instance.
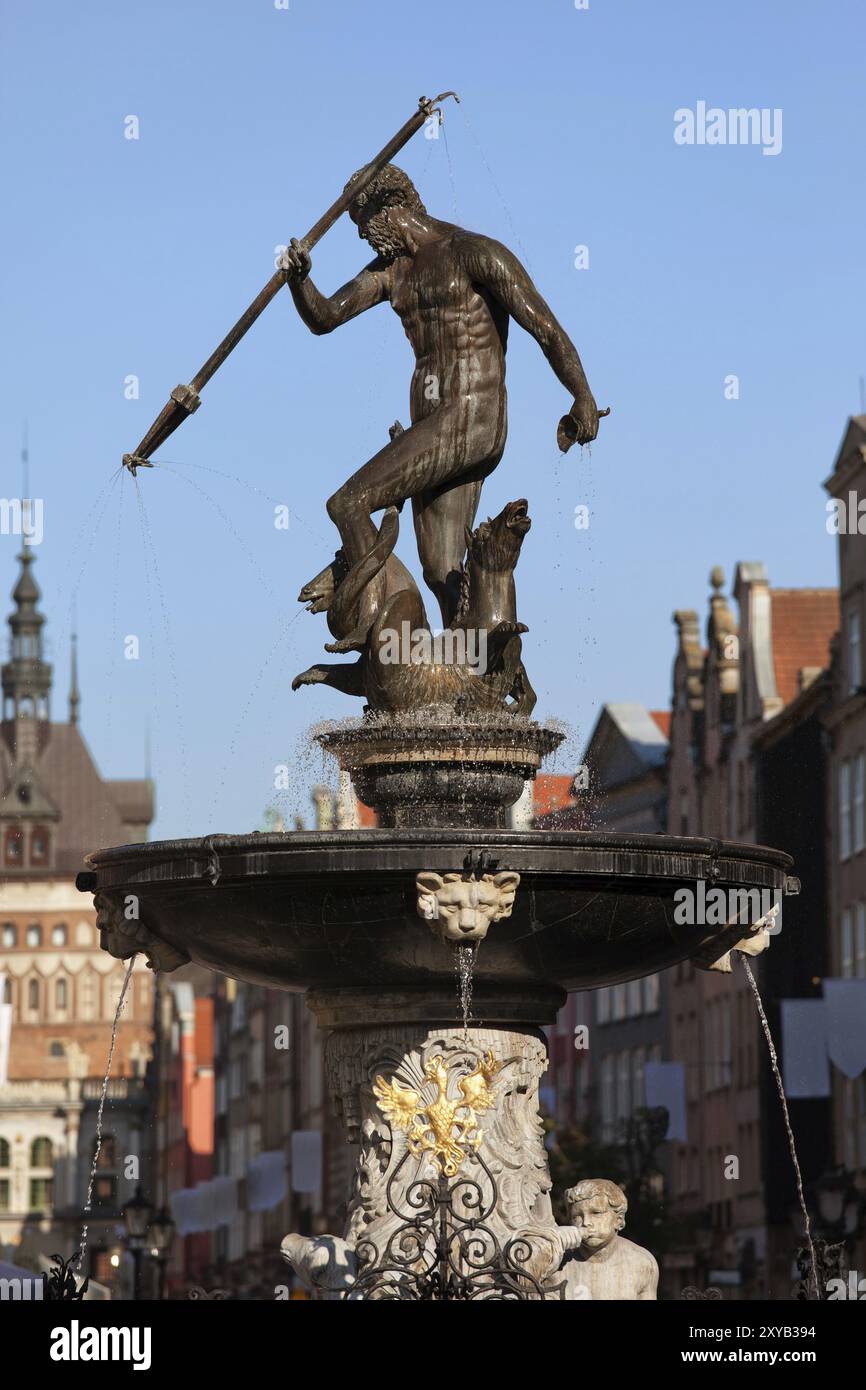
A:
(451, 1195)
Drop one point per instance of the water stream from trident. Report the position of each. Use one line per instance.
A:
(774, 1063)
(463, 964)
(88, 1203)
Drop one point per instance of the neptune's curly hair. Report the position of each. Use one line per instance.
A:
(390, 186)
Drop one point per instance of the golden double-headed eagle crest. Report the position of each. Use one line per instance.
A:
(447, 1129)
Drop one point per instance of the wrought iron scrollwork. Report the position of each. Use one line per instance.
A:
(443, 1250)
(61, 1285)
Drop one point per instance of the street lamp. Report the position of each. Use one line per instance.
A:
(136, 1216)
(840, 1205)
(836, 1208)
(162, 1230)
(830, 1192)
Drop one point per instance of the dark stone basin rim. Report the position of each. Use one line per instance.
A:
(368, 853)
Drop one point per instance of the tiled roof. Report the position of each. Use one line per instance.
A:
(804, 621)
(641, 729)
(550, 792)
(574, 816)
(93, 813)
(663, 718)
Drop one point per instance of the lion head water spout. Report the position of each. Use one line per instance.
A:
(461, 906)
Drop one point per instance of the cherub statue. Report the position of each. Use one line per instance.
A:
(604, 1265)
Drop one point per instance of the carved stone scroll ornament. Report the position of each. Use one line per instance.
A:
(460, 907)
(123, 936)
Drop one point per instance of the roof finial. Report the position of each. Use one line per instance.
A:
(25, 465)
(26, 501)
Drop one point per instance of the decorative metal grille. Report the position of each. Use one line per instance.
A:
(443, 1249)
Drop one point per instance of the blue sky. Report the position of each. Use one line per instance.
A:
(124, 257)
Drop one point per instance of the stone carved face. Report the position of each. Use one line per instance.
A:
(461, 909)
(597, 1210)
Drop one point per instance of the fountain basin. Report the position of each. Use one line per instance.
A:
(337, 911)
(433, 768)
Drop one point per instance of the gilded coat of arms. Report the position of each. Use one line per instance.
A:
(444, 1127)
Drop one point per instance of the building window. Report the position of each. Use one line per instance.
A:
(14, 848)
(61, 992)
(237, 1081)
(58, 934)
(740, 776)
(4, 1153)
(635, 997)
(858, 829)
(107, 1157)
(845, 810)
(860, 942)
(105, 1191)
(623, 1086)
(650, 994)
(33, 995)
(618, 993)
(846, 962)
(602, 1008)
(41, 1193)
(9, 935)
(4, 1194)
(87, 994)
(56, 1049)
(39, 846)
(100, 1263)
(41, 1153)
(637, 1078)
(855, 674)
(608, 1097)
(34, 934)
(850, 1134)
(725, 1006)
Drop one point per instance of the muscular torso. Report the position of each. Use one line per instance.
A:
(458, 332)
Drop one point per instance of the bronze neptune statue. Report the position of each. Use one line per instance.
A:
(455, 292)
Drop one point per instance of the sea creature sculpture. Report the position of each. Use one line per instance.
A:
(474, 664)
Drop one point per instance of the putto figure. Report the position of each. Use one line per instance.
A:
(454, 292)
(605, 1265)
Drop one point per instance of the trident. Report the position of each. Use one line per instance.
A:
(184, 400)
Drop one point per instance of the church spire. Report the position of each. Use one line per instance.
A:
(26, 677)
